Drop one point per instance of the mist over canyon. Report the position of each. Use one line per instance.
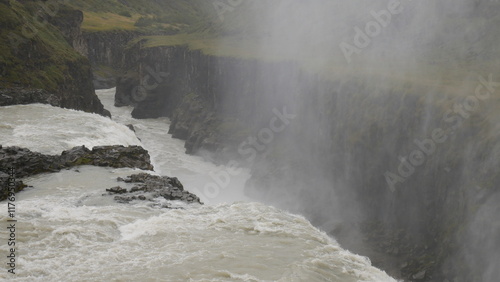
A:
(377, 121)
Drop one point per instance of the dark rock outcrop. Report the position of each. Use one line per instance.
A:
(110, 156)
(197, 123)
(26, 163)
(69, 21)
(23, 96)
(106, 48)
(127, 92)
(150, 187)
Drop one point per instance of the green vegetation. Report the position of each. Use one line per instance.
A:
(195, 23)
(104, 21)
(105, 71)
(143, 16)
(32, 53)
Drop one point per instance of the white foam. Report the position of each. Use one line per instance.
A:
(51, 130)
(69, 231)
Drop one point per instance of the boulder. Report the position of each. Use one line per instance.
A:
(151, 187)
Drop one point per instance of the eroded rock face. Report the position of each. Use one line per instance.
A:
(124, 89)
(24, 96)
(42, 64)
(196, 123)
(151, 188)
(105, 51)
(212, 101)
(26, 163)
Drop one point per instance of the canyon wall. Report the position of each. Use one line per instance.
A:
(37, 56)
(209, 112)
(105, 51)
(393, 171)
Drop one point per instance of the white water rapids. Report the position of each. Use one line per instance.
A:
(67, 230)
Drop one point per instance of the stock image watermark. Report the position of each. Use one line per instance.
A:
(148, 82)
(48, 9)
(224, 6)
(10, 186)
(455, 116)
(363, 36)
(248, 150)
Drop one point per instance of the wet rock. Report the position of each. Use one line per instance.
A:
(140, 177)
(106, 113)
(131, 126)
(153, 187)
(112, 156)
(125, 89)
(117, 190)
(124, 199)
(137, 188)
(419, 276)
(26, 163)
(120, 156)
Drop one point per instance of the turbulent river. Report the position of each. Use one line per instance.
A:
(68, 229)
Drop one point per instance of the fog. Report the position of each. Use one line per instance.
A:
(372, 47)
(354, 32)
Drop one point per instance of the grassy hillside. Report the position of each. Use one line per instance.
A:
(36, 53)
(147, 16)
(32, 53)
(463, 44)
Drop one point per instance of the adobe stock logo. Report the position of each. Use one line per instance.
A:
(150, 81)
(363, 37)
(47, 9)
(455, 118)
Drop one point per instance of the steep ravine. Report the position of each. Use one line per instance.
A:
(342, 148)
(214, 102)
(105, 51)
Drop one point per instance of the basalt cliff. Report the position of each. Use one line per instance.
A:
(395, 172)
